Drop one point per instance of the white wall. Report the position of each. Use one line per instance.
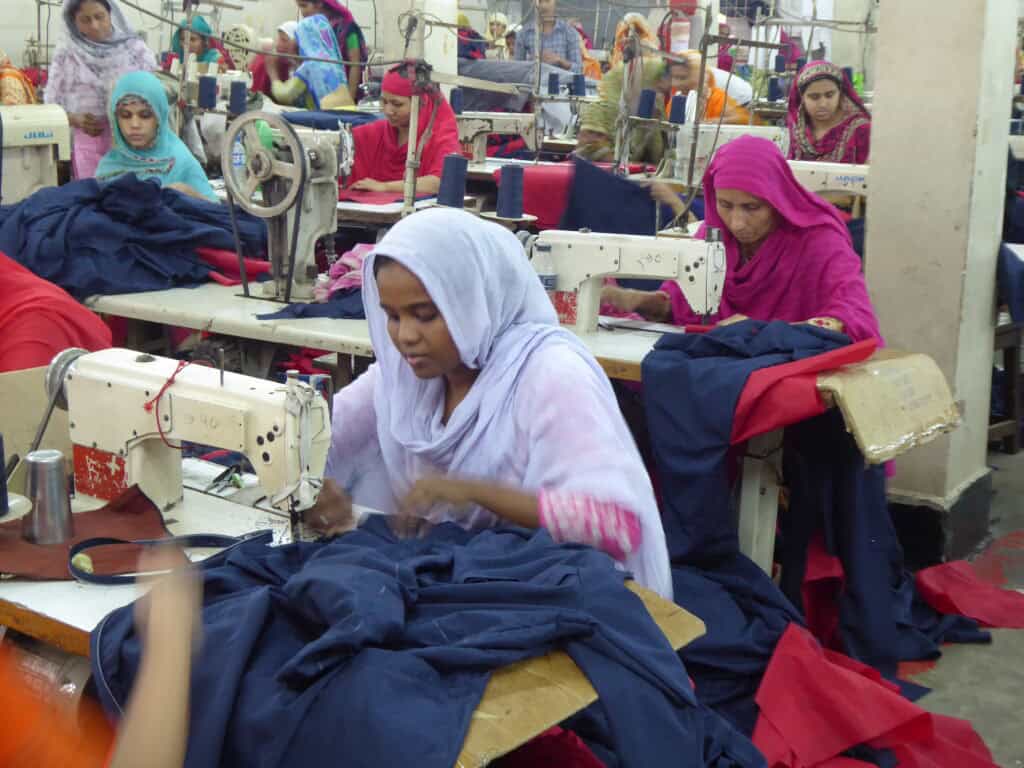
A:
(262, 15)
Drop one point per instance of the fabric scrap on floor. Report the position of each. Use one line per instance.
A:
(364, 624)
(123, 236)
(956, 588)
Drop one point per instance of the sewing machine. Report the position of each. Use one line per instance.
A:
(34, 138)
(475, 127)
(573, 266)
(129, 412)
(831, 177)
(298, 183)
(711, 137)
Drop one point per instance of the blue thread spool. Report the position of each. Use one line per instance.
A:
(239, 97)
(455, 99)
(207, 92)
(553, 84)
(4, 507)
(1022, 86)
(801, 63)
(645, 108)
(453, 181)
(848, 71)
(774, 89)
(510, 192)
(1016, 127)
(678, 112)
(780, 63)
(579, 85)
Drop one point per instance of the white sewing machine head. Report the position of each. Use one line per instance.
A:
(574, 264)
(35, 137)
(475, 127)
(126, 424)
(711, 138)
(295, 186)
(831, 177)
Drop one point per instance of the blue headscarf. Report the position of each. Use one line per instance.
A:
(167, 160)
(317, 40)
(202, 28)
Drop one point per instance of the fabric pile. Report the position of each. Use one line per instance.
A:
(121, 237)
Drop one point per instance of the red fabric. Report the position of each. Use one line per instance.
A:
(781, 395)
(816, 704)
(226, 264)
(367, 197)
(555, 748)
(38, 319)
(823, 584)
(956, 588)
(805, 268)
(260, 78)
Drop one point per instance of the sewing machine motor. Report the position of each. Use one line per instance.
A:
(34, 138)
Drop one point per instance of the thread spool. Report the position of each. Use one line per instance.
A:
(780, 63)
(455, 99)
(4, 506)
(801, 63)
(579, 85)
(848, 71)
(677, 114)
(645, 107)
(1022, 86)
(239, 98)
(510, 192)
(453, 181)
(774, 89)
(207, 92)
(553, 84)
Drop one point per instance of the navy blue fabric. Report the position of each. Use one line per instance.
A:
(1010, 282)
(692, 383)
(344, 305)
(120, 237)
(378, 650)
(857, 234)
(882, 619)
(328, 121)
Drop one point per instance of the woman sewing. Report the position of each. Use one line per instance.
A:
(348, 36)
(827, 120)
(314, 84)
(98, 47)
(718, 103)
(480, 409)
(145, 144)
(208, 56)
(382, 146)
(788, 252)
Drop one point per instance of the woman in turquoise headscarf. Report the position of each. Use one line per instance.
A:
(315, 84)
(198, 43)
(144, 143)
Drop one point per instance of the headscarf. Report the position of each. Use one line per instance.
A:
(806, 268)
(83, 71)
(200, 26)
(378, 153)
(839, 145)
(500, 320)
(502, 19)
(167, 160)
(317, 40)
(716, 100)
(15, 87)
(344, 23)
(258, 69)
(632, 21)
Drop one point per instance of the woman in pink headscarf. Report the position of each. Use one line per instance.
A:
(827, 120)
(788, 253)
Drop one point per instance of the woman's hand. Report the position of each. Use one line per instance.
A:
(437, 489)
(731, 320)
(332, 514)
(653, 305)
(171, 609)
(552, 58)
(369, 185)
(89, 124)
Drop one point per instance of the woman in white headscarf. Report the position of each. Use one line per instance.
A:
(480, 408)
(99, 46)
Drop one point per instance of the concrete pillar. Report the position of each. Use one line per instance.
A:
(935, 205)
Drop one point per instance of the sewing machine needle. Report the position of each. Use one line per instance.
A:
(220, 362)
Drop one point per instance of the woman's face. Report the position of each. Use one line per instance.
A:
(749, 219)
(415, 325)
(821, 100)
(309, 7)
(196, 43)
(93, 21)
(396, 109)
(497, 29)
(138, 124)
(510, 40)
(285, 44)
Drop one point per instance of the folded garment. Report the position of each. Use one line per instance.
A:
(344, 305)
(330, 121)
(120, 237)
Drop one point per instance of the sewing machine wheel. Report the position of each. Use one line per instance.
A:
(57, 372)
(251, 165)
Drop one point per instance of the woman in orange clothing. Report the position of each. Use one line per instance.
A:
(15, 88)
(716, 100)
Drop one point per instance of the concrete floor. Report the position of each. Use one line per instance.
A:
(985, 684)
